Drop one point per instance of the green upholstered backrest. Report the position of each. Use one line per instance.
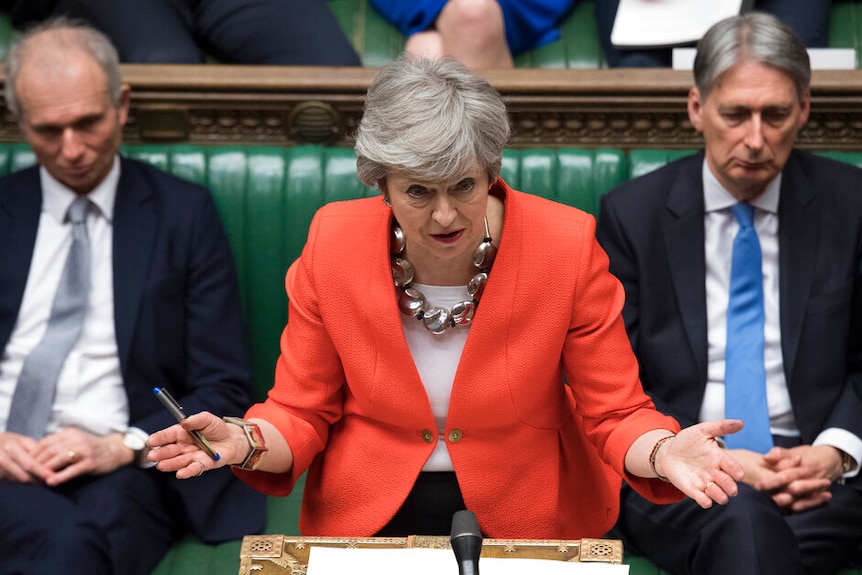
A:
(268, 195)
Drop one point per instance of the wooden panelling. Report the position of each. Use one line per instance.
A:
(619, 108)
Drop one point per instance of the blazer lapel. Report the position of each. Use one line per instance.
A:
(798, 233)
(20, 208)
(397, 374)
(135, 224)
(683, 233)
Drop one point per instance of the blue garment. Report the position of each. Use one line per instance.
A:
(529, 23)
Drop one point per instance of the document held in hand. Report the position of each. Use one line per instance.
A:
(665, 23)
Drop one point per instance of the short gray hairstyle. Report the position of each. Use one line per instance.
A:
(752, 37)
(431, 118)
(67, 32)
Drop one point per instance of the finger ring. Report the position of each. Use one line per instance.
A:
(71, 455)
(708, 485)
(203, 467)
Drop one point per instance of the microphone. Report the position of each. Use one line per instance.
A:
(466, 541)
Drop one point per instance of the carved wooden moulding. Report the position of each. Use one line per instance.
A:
(247, 105)
(317, 122)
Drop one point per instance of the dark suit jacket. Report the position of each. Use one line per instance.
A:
(653, 231)
(27, 12)
(177, 317)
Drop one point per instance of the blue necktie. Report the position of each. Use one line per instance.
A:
(34, 393)
(745, 373)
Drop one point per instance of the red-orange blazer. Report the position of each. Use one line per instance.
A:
(536, 455)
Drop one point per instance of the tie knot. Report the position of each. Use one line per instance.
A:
(744, 214)
(78, 210)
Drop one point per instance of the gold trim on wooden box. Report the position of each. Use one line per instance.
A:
(280, 554)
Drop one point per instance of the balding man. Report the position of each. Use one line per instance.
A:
(115, 278)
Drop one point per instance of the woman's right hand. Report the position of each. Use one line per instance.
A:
(174, 448)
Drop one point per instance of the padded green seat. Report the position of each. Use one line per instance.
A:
(267, 196)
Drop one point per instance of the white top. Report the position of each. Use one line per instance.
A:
(90, 393)
(720, 227)
(436, 358)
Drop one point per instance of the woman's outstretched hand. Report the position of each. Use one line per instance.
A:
(698, 466)
(175, 449)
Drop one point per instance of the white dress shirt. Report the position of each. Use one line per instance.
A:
(90, 393)
(720, 227)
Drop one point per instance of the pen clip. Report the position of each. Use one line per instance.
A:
(170, 398)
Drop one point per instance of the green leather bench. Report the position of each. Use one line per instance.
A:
(267, 196)
(377, 42)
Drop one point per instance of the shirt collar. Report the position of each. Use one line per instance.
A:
(57, 197)
(716, 197)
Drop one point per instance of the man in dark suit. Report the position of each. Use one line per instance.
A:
(272, 32)
(670, 237)
(77, 494)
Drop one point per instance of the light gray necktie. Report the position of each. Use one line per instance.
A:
(34, 394)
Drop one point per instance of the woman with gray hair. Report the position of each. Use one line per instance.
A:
(438, 357)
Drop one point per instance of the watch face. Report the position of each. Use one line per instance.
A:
(134, 441)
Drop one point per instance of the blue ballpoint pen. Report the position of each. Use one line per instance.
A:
(177, 411)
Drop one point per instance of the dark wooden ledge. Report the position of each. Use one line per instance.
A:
(213, 104)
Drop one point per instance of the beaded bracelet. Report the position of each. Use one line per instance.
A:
(653, 455)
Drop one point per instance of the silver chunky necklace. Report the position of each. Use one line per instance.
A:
(412, 302)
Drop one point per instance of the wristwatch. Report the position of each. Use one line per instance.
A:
(848, 464)
(256, 443)
(136, 440)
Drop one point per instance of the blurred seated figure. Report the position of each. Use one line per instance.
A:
(479, 33)
(276, 32)
(808, 18)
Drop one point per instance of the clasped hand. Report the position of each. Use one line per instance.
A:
(798, 478)
(59, 457)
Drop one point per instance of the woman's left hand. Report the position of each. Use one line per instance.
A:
(698, 466)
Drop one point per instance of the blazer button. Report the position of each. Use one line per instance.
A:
(427, 436)
(455, 436)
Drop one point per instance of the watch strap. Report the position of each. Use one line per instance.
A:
(848, 464)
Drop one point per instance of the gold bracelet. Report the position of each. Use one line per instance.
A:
(653, 455)
(256, 443)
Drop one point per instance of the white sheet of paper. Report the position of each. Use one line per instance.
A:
(645, 23)
(821, 58)
(338, 561)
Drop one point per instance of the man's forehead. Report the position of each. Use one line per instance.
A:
(80, 86)
(748, 82)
